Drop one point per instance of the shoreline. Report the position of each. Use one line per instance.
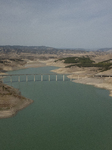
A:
(12, 112)
(105, 83)
(95, 82)
(14, 101)
(81, 76)
(11, 101)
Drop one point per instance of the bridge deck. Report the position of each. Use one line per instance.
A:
(34, 77)
(103, 75)
(32, 74)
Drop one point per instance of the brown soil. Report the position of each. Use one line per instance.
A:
(11, 101)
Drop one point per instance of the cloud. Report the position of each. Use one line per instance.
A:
(61, 23)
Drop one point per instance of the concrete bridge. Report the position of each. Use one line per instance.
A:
(33, 77)
(42, 77)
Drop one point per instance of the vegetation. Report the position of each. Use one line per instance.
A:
(87, 62)
(82, 60)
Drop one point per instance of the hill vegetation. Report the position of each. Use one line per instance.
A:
(87, 62)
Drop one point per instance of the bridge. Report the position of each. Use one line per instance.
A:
(33, 77)
(42, 77)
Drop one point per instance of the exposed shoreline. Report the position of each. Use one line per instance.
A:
(13, 111)
(105, 83)
(82, 76)
(11, 99)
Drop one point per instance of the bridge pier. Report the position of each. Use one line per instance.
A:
(63, 78)
(49, 77)
(26, 78)
(2, 79)
(11, 79)
(18, 78)
(56, 77)
(34, 78)
(41, 77)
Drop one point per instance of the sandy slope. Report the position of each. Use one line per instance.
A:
(11, 101)
(81, 75)
(85, 75)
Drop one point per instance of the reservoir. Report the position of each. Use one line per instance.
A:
(64, 116)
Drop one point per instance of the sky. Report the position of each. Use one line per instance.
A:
(56, 23)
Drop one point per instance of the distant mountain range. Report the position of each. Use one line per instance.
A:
(46, 50)
(105, 50)
(38, 49)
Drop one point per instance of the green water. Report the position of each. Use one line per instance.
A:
(64, 116)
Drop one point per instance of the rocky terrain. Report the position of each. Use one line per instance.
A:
(82, 65)
(11, 101)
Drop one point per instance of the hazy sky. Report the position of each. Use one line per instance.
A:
(56, 23)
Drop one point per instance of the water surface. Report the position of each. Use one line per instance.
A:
(64, 116)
